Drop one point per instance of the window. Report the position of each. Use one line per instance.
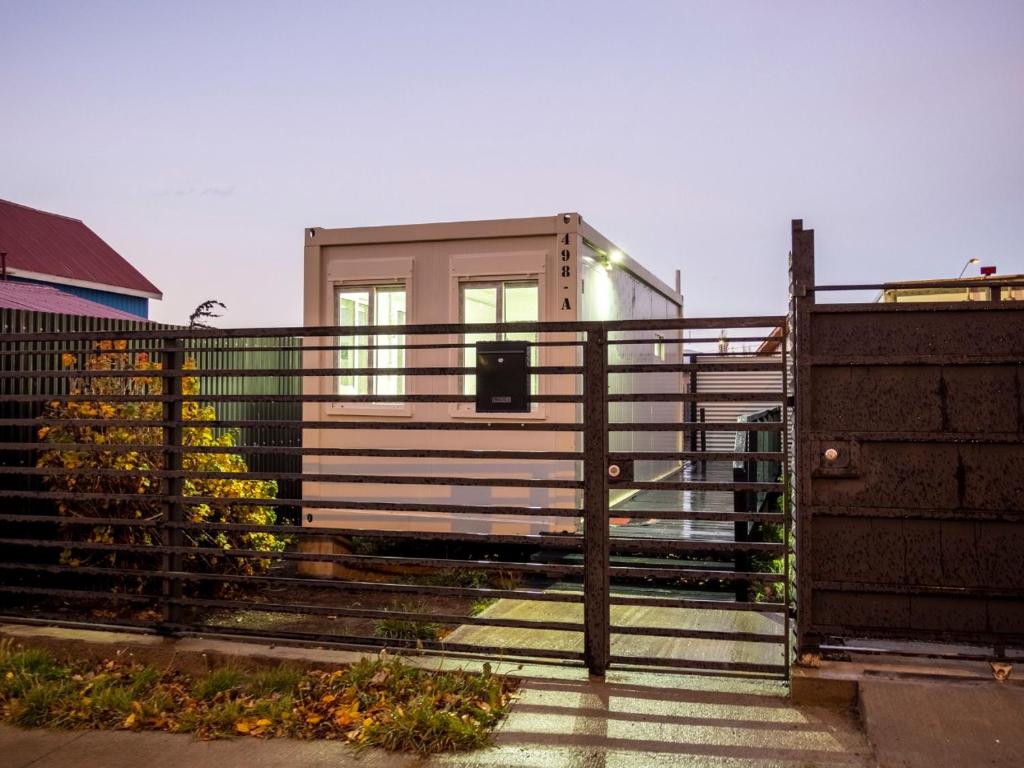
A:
(371, 305)
(659, 347)
(509, 301)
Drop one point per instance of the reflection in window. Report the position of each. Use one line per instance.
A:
(512, 301)
(364, 306)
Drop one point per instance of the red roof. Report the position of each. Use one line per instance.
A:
(48, 244)
(45, 298)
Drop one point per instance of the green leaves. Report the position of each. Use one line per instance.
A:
(381, 702)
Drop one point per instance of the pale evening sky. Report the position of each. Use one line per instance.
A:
(199, 139)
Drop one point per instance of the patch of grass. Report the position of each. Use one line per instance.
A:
(42, 704)
(110, 696)
(277, 680)
(407, 629)
(382, 702)
(216, 682)
(479, 606)
(22, 670)
(423, 729)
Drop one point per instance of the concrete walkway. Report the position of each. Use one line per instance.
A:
(927, 714)
(561, 718)
(672, 649)
(120, 749)
(650, 720)
(628, 720)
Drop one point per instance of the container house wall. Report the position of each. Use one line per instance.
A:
(432, 272)
(618, 294)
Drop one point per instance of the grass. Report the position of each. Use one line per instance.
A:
(381, 702)
(479, 606)
(407, 629)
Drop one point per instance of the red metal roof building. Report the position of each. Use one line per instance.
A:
(50, 249)
(46, 298)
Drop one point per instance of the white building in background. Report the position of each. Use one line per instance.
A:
(553, 268)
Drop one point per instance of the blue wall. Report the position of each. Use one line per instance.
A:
(136, 305)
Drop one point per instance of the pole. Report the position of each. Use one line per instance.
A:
(596, 586)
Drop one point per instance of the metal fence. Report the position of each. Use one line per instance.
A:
(256, 421)
(420, 523)
(909, 467)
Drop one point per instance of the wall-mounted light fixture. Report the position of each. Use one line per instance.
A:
(969, 262)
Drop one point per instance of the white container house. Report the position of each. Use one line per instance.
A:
(552, 268)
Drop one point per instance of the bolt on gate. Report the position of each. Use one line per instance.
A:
(613, 523)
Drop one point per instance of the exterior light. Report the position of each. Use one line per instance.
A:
(969, 262)
(617, 256)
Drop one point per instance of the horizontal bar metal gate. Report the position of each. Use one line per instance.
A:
(420, 523)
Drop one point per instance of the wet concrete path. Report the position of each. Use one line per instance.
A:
(767, 652)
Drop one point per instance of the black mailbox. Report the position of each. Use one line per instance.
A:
(502, 379)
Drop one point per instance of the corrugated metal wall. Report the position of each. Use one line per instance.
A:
(733, 381)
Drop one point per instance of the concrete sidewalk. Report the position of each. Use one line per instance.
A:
(40, 748)
(632, 719)
(650, 719)
(561, 718)
(922, 722)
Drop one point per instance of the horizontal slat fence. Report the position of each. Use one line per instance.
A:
(393, 513)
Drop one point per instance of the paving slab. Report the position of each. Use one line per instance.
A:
(642, 720)
(42, 748)
(917, 722)
(21, 747)
(669, 648)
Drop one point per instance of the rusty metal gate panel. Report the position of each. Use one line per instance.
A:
(910, 467)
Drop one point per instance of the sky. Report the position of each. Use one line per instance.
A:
(200, 139)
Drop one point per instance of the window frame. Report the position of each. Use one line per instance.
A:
(499, 283)
(368, 408)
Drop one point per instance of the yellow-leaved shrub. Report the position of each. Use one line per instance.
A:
(131, 492)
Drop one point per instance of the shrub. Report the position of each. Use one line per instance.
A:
(136, 374)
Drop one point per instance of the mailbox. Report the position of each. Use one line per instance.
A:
(502, 378)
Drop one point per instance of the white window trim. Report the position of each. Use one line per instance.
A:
(367, 273)
(494, 268)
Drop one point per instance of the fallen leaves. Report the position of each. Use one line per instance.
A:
(377, 702)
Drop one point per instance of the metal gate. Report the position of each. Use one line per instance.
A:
(598, 528)
(910, 459)
(686, 548)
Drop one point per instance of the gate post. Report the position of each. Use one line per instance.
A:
(596, 606)
(173, 460)
(801, 287)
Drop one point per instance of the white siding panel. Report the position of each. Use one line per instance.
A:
(735, 381)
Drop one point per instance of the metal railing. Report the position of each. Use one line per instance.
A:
(406, 517)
